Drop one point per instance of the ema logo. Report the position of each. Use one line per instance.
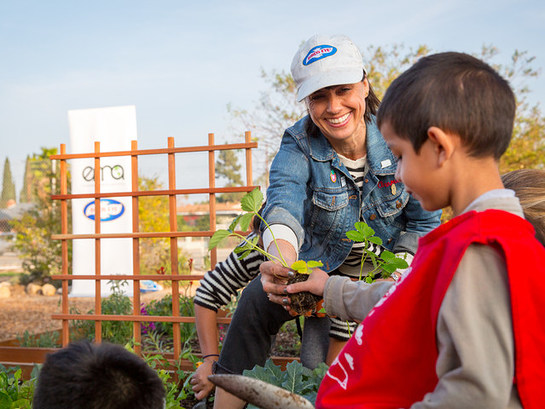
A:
(319, 52)
(109, 210)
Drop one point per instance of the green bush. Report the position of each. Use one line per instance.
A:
(296, 378)
(117, 332)
(163, 307)
(14, 391)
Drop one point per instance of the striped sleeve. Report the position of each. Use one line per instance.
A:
(219, 285)
(341, 330)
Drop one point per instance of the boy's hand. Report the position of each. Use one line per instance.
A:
(315, 283)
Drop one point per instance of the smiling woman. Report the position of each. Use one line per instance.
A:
(333, 169)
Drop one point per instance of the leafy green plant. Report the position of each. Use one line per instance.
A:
(14, 391)
(251, 204)
(45, 340)
(296, 378)
(117, 332)
(163, 307)
(385, 264)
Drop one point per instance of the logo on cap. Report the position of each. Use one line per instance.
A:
(319, 52)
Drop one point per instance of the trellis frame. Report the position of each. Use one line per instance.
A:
(137, 318)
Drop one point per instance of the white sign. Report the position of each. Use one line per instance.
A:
(114, 128)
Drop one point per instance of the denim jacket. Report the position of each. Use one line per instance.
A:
(312, 193)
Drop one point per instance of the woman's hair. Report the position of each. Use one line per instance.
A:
(529, 187)
(371, 107)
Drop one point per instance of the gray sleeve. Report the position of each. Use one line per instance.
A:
(475, 365)
(352, 300)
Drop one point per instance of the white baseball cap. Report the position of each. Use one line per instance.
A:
(324, 61)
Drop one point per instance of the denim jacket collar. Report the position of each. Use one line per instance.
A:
(379, 157)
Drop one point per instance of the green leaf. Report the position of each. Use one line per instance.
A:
(376, 240)
(5, 401)
(314, 264)
(355, 236)
(217, 238)
(233, 226)
(300, 266)
(364, 229)
(245, 221)
(387, 256)
(389, 268)
(244, 255)
(251, 202)
(293, 378)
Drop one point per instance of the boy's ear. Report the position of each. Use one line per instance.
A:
(444, 144)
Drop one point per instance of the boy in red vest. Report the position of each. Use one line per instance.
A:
(464, 326)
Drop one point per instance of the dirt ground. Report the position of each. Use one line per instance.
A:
(22, 312)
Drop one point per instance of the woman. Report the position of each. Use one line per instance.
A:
(333, 169)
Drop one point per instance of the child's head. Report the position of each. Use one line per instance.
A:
(529, 186)
(457, 93)
(104, 376)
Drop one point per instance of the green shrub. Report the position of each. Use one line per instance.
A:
(14, 391)
(163, 307)
(296, 378)
(117, 332)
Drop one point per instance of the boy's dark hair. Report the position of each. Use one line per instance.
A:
(104, 376)
(457, 93)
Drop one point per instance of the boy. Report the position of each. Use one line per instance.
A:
(104, 376)
(463, 328)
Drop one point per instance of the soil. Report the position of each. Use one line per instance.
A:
(23, 312)
(302, 302)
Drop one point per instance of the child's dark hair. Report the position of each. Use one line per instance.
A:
(104, 376)
(457, 93)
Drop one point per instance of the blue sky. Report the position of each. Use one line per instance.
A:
(180, 63)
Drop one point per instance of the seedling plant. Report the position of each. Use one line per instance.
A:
(251, 204)
(384, 264)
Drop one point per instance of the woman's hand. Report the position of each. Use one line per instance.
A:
(274, 277)
(201, 385)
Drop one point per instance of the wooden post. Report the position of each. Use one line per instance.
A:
(136, 329)
(174, 249)
(212, 200)
(98, 305)
(64, 247)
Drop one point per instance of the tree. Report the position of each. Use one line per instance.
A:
(25, 195)
(228, 167)
(277, 108)
(8, 187)
(42, 256)
(153, 217)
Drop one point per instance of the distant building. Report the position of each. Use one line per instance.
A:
(225, 213)
(13, 212)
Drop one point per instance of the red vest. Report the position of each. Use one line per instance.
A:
(390, 360)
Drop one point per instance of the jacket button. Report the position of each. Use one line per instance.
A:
(366, 181)
(373, 217)
(398, 204)
(389, 240)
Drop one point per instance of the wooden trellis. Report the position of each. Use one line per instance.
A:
(175, 277)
